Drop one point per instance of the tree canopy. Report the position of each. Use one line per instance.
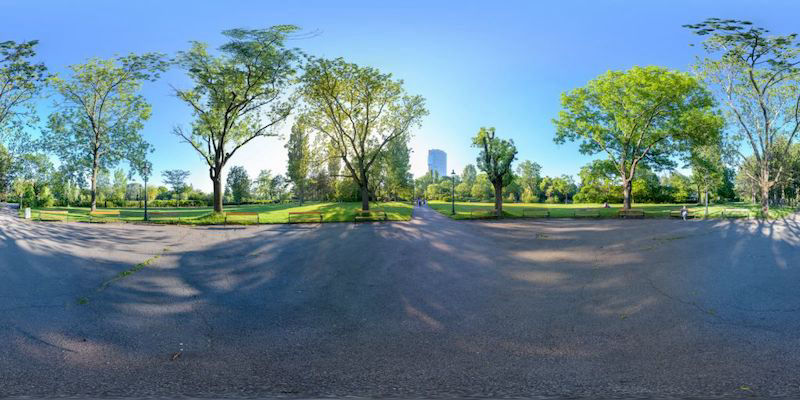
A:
(299, 158)
(239, 184)
(359, 111)
(646, 115)
(21, 80)
(175, 178)
(757, 75)
(238, 95)
(98, 121)
(495, 158)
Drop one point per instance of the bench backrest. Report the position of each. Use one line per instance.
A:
(110, 212)
(60, 212)
(304, 212)
(165, 214)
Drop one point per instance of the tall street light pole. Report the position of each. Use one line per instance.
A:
(145, 174)
(453, 193)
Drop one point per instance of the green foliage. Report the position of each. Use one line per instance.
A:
(45, 197)
(600, 183)
(238, 95)
(24, 192)
(299, 158)
(119, 186)
(482, 188)
(528, 176)
(357, 111)
(175, 178)
(398, 167)
(679, 188)
(646, 186)
(238, 184)
(469, 174)
(495, 158)
(97, 122)
(347, 190)
(641, 116)
(6, 173)
(434, 191)
(134, 191)
(21, 81)
(757, 75)
(463, 190)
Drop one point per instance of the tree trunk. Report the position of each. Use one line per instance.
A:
(94, 187)
(364, 198)
(764, 185)
(498, 199)
(217, 179)
(627, 188)
(706, 216)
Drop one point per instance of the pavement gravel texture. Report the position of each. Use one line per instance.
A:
(425, 308)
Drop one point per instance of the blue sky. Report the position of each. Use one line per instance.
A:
(501, 64)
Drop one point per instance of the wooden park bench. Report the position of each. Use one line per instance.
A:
(103, 214)
(586, 213)
(162, 214)
(535, 213)
(370, 215)
(483, 213)
(677, 214)
(304, 216)
(241, 214)
(53, 215)
(630, 213)
(735, 213)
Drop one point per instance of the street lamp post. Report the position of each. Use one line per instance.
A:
(453, 193)
(146, 172)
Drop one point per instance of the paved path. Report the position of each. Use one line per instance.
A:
(421, 308)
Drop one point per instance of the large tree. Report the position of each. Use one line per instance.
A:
(495, 158)
(528, 176)
(641, 116)
(6, 175)
(359, 111)
(757, 75)
(299, 156)
(469, 174)
(263, 185)
(599, 182)
(21, 80)
(708, 169)
(119, 186)
(238, 95)
(239, 184)
(398, 167)
(98, 121)
(175, 178)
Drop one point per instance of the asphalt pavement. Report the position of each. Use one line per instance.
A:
(425, 308)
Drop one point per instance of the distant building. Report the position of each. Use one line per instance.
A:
(437, 161)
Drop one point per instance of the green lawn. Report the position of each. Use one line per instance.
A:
(534, 210)
(267, 213)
